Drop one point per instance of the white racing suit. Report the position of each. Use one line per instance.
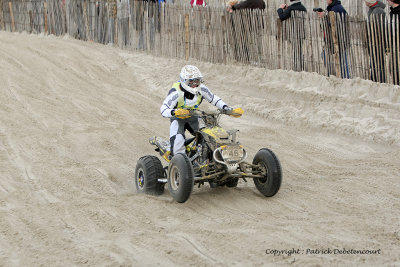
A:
(179, 98)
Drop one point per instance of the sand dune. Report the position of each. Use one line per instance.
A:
(76, 116)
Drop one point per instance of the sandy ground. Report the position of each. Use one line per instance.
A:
(75, 117)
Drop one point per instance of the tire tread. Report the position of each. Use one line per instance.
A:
(153, 170)
(272, 188)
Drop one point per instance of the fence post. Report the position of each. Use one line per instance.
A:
(86, 20)
(224, 49)
(92, 17)
(186, 36)
(45, 17)
(115, 23)
(279, 37)
(146, 26)
(64, 15)
(332, 19)
(359, 9)
(12, 17)
(1, 16)
(396, 48)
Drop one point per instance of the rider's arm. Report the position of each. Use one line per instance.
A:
(169, 104)
(210, 97)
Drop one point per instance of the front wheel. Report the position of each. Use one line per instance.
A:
(271, 170)
(180, 178)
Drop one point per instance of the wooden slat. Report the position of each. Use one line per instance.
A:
(11, 16)
(2, 26)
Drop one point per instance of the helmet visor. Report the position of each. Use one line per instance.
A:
(194, 82)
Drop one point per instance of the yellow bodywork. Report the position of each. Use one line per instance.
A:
(217, 133)
(166, 156)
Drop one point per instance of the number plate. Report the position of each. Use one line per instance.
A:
(232, 153)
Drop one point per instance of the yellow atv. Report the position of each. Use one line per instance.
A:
(213, 155)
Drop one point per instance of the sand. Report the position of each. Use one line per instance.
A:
(76, 116)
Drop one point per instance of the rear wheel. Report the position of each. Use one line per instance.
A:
(271, 169)
(180, 178)
(148, 170)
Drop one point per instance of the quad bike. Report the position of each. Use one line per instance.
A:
(213, 155)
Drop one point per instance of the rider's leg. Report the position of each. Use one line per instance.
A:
(176, 136)
(178, 144)
(177, 133)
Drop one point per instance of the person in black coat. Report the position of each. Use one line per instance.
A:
(394, 7)
(343, 39)
(284, 11)
(242, 33)
(247, 4)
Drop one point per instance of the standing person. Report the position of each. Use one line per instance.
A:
(197, 3)
(336, 6)
(394, 7)
(394, 32)
(285, 11)
(186, 95)
(250, 4)
(375, 7)
(242, 34)
(376, 43)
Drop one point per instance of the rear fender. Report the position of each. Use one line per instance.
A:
(162, 146)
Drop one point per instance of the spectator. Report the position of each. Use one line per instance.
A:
(284, 11)
(341, 35)
(242, 34)
(375, 7)
(377, 44)
(394, 8)
(335, 6)
(197, 3)
(250, 4)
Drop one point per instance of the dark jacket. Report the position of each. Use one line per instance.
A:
(336, 7)
(251, 4)
(394, 11)
(378, 9)
(285, 13)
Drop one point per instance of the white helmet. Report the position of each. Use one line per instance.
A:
(191, 78)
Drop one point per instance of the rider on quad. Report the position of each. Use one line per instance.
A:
(214, 155)
(185, 95)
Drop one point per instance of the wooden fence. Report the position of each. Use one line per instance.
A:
(347, 47)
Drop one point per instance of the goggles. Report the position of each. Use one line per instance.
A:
(194, 82)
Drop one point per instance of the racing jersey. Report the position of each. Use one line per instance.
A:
(190, 101)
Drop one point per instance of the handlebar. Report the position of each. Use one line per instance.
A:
(196, 112)
(237, 112)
